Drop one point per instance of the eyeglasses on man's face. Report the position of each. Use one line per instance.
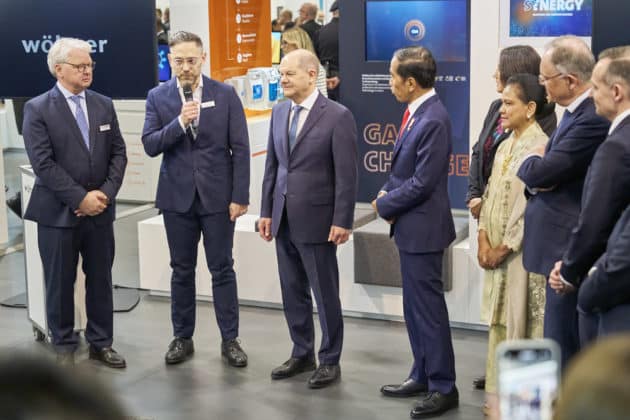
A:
(81, 67)
(543, 79)
(191, 61)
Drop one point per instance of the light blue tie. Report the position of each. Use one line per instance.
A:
(79, 115)
(293, 127)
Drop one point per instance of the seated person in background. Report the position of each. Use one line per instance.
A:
(513, 299)
(597, 383)
(32, 388)
(297, 38)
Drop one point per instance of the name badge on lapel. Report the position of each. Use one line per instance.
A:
(104, 127)
(207, 104)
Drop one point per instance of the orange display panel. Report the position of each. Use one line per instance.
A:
(239, 36)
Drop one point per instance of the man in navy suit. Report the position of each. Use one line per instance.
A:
(607, 182)
(605, 293)
(308, 197)
(78, 155)
(554, 181)
(415, 201)
(199, 127)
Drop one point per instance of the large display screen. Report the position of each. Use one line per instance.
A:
(550, 18)
(390, 25)
(121, 33)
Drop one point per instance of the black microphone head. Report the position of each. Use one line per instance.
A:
(188, 93)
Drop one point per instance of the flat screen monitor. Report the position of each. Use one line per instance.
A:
(164, 68)
(121, 34)
(390, 25)
(275, 47)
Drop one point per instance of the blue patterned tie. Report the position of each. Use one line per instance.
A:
(79, 115)
(563, 123)
(293, 127)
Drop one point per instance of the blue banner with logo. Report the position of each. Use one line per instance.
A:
(370, 32)
(549, 18)
(121, 33)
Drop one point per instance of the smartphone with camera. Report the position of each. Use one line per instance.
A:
(528, 378)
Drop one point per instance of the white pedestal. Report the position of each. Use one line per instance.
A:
(256, 269)
(35, 286)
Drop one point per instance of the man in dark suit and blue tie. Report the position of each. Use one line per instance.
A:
(78, 155)
(607, 182)
(415, 201)
(199, 127)
(555, 178)
(308, 197)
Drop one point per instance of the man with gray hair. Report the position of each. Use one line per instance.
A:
(606, 186)
(555, 177)
(74, 144)
(308, 197)
(308, 13)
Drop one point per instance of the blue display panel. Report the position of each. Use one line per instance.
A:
(164, 68)
(121, 32)
(550, 18)
(390, 25)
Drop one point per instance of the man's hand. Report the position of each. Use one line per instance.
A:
(94, 203)
(474, 205)
(556, 283)
(332, 82)
(264, 228)
(338, 235)
(237, 210)
(189, 113)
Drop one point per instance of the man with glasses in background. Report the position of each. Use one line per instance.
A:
(554, 178)
(78, 155)
(199, 127)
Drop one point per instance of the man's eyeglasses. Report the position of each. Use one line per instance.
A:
(542, 79)
(81, 67)
(191, 61)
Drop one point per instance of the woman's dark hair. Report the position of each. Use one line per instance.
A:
(530, 90)
(518, 59)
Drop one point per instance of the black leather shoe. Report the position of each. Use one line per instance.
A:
(108, 357)
(233, 352)
(65, 359)
(179, 350)
(292, 367)
(434, 404)
(324, 376)
(408, 388)
(480, 383)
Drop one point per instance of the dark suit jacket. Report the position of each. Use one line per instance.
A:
(64, 167)
(328, 47)
(476, 180)
(312, 28)
(215, 164)
(550, 215)
(609, 284)
(317, 182)
(606, 195)
(417, 193)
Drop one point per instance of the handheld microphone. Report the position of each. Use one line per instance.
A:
(188, 96)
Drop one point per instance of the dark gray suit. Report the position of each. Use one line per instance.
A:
(305, 192)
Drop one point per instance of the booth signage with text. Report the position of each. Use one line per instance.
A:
(370, 32)
(121, 33)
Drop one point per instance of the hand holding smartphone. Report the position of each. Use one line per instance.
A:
(528, 377)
